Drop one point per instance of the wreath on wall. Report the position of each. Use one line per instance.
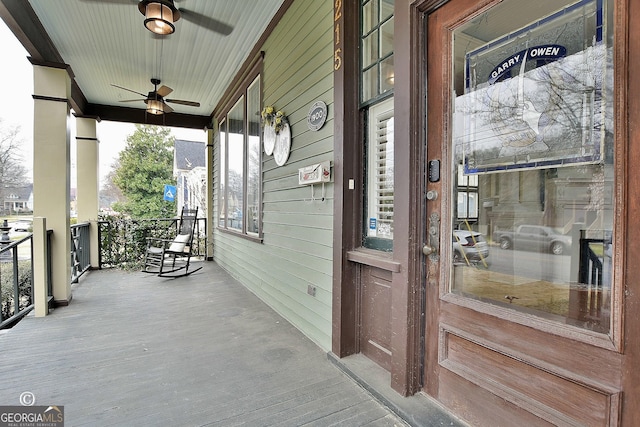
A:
(274, 118)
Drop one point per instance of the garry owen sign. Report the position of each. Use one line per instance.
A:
(544, 52)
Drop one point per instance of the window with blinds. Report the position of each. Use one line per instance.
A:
(380, 189)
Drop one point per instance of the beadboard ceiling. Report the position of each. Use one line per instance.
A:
(104, 42)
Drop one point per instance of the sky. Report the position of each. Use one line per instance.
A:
(16, 109)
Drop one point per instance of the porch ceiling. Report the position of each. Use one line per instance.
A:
(104, 42)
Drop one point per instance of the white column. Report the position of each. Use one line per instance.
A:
(88, 164)
(52, 169)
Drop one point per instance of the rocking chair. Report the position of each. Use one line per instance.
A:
(171, 257)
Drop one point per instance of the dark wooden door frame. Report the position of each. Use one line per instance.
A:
(407, 285)
(347, 211)
(627, 54)
(408, 228)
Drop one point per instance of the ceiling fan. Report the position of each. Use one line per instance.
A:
(160, 16)
(155, 100)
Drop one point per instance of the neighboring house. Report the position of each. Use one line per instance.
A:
(18, 199)
(190, 172)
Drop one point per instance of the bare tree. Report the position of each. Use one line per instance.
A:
(110, 193)
(12, 170)
(197, 185)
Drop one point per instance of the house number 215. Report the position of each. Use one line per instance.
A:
(337, 54)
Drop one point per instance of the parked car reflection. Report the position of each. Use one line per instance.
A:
(470, 247)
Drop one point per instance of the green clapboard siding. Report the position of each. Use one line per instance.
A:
(296, 251)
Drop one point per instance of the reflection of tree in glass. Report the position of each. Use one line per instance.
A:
(556, 110)
(235, 200)
(197, 186)
(253, 183)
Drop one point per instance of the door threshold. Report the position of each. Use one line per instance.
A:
(418, 410)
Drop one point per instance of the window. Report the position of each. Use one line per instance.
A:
(253, 158)
(379, 177)
(235, 162)
(376, 86)
(532, 143)
(377, 48)
(222, 209)
(240, 164)
(467, 196)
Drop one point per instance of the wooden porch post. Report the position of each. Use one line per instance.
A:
(88, 167)
(209, 163)
(347, 209)
(40, 279)
(51, 168)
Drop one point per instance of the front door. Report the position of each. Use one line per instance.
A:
(522, 148)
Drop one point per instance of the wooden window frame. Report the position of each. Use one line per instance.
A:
(253, 76)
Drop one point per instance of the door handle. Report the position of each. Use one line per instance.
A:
(427, 250)
(433, 238)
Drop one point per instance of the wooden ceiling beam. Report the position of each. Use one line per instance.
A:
(136, 115)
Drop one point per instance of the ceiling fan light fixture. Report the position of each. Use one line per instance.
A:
(159, 16)
(155, 106)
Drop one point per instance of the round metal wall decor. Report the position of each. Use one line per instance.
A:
(317, 115)
(283, 145)
(269, 138)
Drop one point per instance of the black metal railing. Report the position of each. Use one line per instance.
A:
(16, 271)
(590, 271)
(16, 280)
(589, 293)
(49, 266)
(123, 241)
(80, 250)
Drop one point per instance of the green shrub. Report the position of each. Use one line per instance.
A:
(123, 241)
(25, 287)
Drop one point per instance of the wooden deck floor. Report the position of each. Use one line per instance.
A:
(136, 350)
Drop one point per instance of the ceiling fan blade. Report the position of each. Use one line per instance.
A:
(206, 22)
(131, 100)
(129, 90)
(181, 102)
(164, 91)
(167, 109)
